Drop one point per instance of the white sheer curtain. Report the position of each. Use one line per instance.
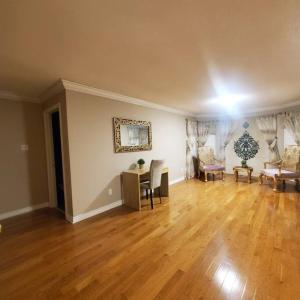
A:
(203, 132)
(191, 147)
(268, 127)
(292, 124)
(197, 133)
(224, 133)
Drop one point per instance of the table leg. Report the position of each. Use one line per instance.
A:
(236, 174)
(131, 190)
(249, 176)
(165, 185)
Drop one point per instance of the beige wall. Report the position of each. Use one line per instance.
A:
(91, 165)
(23, 177)
(94, 166)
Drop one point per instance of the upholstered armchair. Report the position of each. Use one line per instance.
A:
(288, 168)
(208, 164)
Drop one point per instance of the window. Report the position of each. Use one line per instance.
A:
(287, 138)
(211, 142)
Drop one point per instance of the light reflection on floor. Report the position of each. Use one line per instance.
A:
(227, 279)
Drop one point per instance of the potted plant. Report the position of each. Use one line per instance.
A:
(141, 163)
(244, 163)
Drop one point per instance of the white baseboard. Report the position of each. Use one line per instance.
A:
(105, 208)
(177, 180)
(23, 210)
(71, 219)
(94, 212)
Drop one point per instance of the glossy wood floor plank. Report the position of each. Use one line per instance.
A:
(215, 240)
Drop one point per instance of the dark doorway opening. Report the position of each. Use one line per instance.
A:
(58, 163)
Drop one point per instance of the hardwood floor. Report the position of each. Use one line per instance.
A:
(215, 240)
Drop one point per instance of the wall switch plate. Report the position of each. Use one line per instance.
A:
(109, 192)
(24, 147)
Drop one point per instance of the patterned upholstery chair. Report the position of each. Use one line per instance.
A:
(287, 168)
(208, 164)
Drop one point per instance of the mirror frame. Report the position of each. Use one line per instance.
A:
(117, 122)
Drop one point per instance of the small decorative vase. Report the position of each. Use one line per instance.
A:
(141, 167)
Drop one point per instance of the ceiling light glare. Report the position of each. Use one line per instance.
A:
(229, 100)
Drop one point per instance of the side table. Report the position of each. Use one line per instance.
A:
(238, 169)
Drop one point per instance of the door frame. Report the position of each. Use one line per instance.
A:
(50, 156)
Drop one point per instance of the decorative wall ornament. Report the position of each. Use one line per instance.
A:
(246, 147)
(132, 135)
(246, 125)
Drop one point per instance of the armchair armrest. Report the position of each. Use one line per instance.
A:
(201, 162)
(273, 163)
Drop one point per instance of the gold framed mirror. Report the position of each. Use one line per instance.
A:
(132, 135)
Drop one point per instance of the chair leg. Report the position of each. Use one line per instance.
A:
(261, 179)
(283, 184)
(159, 191)
(147, 195)
(297, 184)
(205, 176)
(275, 184)
(151, 198)
(222, 175)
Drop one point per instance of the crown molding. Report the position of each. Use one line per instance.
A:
(77, 87)
(53, 90)
(63, 84)
(7, 95)
(254, 112)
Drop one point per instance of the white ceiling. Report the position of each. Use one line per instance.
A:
(179, 54)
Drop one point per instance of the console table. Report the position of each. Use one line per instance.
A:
(131, 186)
(247, 170)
